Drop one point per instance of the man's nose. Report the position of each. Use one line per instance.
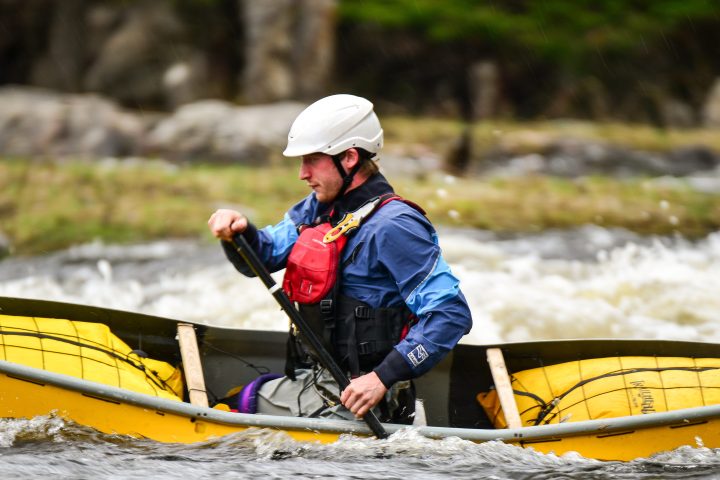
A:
(304, 171)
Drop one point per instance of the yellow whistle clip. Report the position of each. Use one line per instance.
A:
(350, 221)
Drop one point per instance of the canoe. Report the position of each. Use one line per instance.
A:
(234, 357)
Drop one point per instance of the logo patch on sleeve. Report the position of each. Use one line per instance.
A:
(417, 355)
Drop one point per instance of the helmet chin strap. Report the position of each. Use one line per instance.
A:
(347, 177)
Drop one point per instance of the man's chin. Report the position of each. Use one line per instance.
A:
(322, 197)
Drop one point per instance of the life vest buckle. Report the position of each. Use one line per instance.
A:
(363, 311)
(365, 348)
(326, 306)
(351, 220)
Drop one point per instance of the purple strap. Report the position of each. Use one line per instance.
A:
(247, 398)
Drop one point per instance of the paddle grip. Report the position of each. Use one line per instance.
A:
(325, 359)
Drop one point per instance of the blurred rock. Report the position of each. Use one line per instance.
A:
(677, 114)
(217, 130)
(415, 161)
(687, 160)
(36, 122)
(39, 122)
(569, 157)
(102, 21)
(289, 47)
(184, 81)
(711, 110)
(573, 157)
(143, 40)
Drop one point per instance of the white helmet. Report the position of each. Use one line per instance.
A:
(332, 125)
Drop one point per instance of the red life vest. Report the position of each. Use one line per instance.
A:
(313, 264)
(312, 267)
(358, 336)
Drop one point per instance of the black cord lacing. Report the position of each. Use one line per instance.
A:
(149, 374)
(260, 369)
(547, 407)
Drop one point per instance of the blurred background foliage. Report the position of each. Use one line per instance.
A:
(632, 60)
(559, 29)
(513, 116)
(589, 59)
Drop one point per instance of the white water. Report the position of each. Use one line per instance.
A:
(587, 283)
(48, 446)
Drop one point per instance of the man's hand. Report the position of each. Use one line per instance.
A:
(363, 393)
(224, 224)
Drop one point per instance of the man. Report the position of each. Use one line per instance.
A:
(388, 308)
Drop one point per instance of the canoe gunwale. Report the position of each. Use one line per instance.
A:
(535, 433)
(169, 406)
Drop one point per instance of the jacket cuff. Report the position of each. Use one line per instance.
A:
(393, 369)
(251, 234)
(252, 237)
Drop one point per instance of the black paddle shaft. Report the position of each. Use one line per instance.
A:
(326, 360)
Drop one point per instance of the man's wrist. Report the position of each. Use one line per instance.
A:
(393, 369)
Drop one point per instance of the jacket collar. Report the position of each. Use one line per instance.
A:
(373, 187)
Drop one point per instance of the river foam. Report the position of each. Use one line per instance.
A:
(586, 283)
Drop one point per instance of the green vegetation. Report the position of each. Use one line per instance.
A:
(563, 30)
(521, 137)
(533, 204)
(599, 60)
(48, 205)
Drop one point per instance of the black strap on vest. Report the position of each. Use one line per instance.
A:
(358, 336)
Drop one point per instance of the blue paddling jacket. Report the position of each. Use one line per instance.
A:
(392, 260)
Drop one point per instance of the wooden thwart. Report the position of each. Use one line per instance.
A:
(503, 387)
(191, 364)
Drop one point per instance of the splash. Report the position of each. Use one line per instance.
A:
(586, 283)
(630, 291)
(39, 428)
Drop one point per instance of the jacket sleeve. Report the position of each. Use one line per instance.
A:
(409, 249)
(274, 242)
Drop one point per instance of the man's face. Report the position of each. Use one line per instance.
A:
(320, 173)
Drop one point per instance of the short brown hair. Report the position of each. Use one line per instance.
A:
(369, 166)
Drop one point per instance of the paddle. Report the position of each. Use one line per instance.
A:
(326, 360)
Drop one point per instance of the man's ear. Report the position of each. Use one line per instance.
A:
(350, 159)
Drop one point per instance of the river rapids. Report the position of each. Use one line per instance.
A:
(585, 283)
